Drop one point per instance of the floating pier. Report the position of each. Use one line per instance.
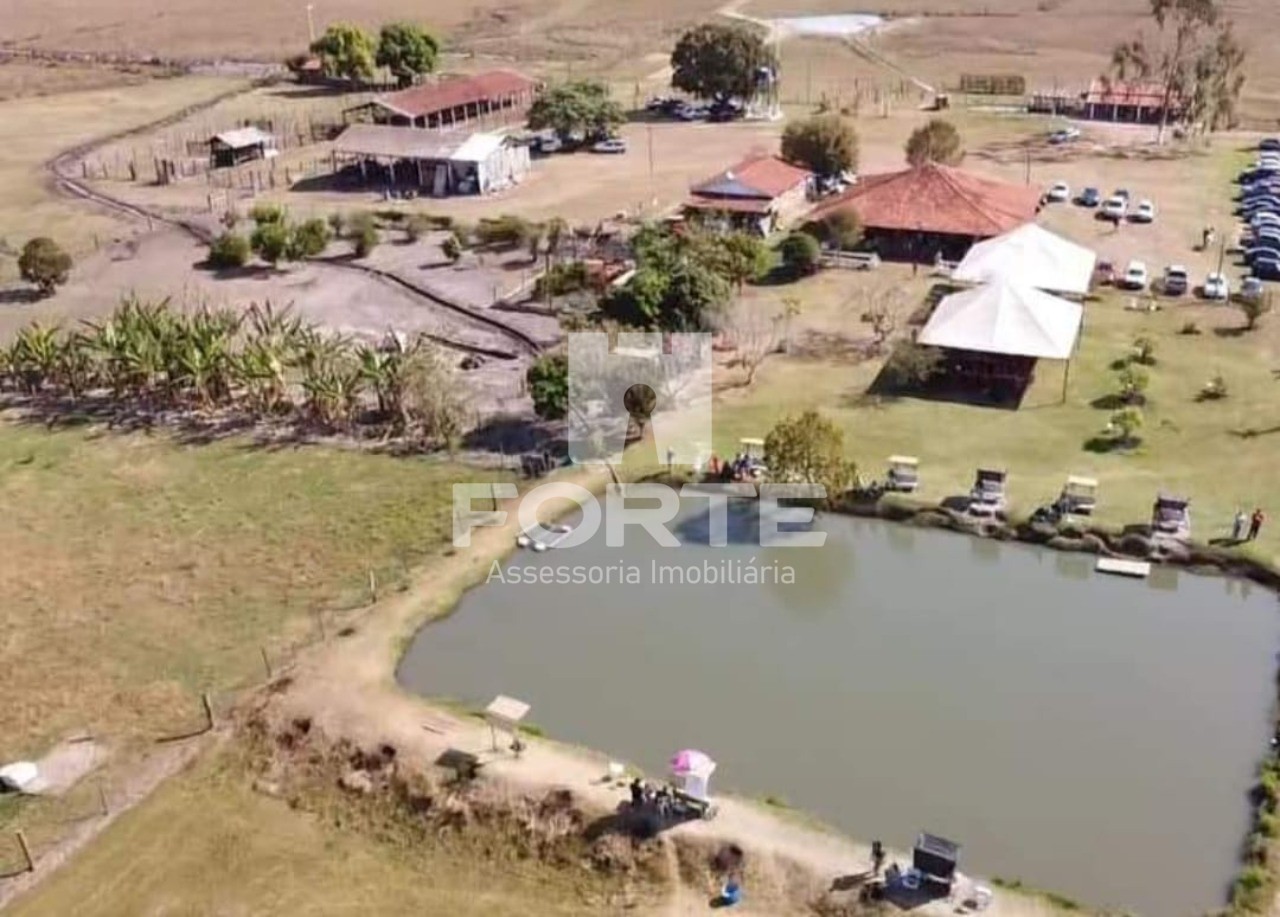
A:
(1120, 567)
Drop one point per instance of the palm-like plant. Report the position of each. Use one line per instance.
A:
(34, 357)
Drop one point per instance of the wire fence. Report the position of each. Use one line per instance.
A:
(33, 827)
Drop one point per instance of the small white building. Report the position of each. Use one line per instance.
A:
(440, 164)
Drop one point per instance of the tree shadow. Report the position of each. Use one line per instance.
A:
(1253, 432)
(1103, 445)
(20, 296)
(511, 434)
(1233, 331)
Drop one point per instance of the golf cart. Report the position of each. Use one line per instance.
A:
(1171, 517)
(986, 498)
(1079, 496)
(904, 473)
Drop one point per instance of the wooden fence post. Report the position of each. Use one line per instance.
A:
(26, 850)
(102, 800)
(208, 709)
(266, 663)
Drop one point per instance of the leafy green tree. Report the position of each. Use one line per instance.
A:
(738, 257)
(937, 141)
(407, 50)
(825, 144)
(1125, 423)
(346, 51)
(911, 364)
(800, 254)
(718, 59)
(1194, 56)
(809, 449)
(270, 241)
(581, 107)
(44, 263)
(308, 239)
(548, 382)
(1132, 381)
(229, 250)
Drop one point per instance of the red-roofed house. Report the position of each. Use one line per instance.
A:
(1120, 100)
(932, 210)
(448, 102)
(759, 194)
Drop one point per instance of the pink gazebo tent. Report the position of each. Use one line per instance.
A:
(691, 771)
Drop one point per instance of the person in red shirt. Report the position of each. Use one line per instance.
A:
(1255, 523)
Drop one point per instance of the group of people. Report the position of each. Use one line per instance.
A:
(741, 468)
(643, 796)
(1253, 521)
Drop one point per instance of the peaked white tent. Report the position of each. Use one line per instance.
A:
(1031, 256)
(1006, 318)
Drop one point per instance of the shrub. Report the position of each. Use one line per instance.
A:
(418, 225)
(800, 254)
(44, 263)
(1133, 381)
(507, 231)
(568, 277)
(271, 240)
(548, 382)
(1250, 889)
(264, 213)
(363, 232)
(451, 247)
(309, 239)
(229, 250)
(1189, 328)
(1254, 309)
(337, 222)
(1269, 824)
(1144, 351)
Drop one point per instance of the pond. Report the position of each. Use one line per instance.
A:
(828, 26)
(1094, 736)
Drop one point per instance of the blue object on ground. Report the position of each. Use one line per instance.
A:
(731, 894)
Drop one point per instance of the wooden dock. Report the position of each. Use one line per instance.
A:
(1121, 567)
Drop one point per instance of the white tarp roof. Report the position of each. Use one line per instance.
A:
(1031, 256)
(243, 137)
(1005, 318)
(477, 148)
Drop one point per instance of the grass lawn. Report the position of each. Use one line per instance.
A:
(51, 125)
(205, 843)
(1221, 454)
(139, 572)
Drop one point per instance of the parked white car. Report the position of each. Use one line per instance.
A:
(611, 145)
(1115, 207)
(1059, 191)
(1216, 287)
(1135, 276)
(1145, 212)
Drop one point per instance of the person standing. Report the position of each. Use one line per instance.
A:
(1237, 526)
(1255, 523)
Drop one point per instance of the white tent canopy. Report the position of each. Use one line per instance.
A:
(1031, 256)
(1006, 318)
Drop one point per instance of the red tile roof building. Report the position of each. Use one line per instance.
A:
(455, 100)
(762, 190)
(937, 199)
(1120, 100)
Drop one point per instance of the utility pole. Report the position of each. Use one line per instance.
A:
(1222, 252)
(311, 24)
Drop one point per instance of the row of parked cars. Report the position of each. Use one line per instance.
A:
(1175, 281)
(1259, 207)
(720, 109)
(1119, 206)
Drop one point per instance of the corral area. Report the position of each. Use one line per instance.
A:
(157, 562)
